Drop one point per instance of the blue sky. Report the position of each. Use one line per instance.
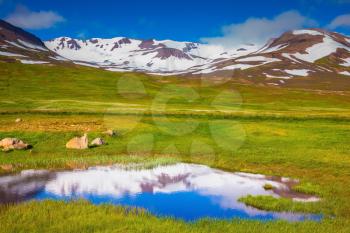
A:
(217, 21)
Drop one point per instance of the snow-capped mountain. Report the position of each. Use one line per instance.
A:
(122, 53)
(311, 52)
(298, 53)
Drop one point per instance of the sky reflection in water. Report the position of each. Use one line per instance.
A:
(185, 191)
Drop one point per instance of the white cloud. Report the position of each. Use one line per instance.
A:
(259, 30)
(24, 18)
(340, 21)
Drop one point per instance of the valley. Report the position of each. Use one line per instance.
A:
(281, 110)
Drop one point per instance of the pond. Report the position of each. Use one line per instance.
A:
(184, 191)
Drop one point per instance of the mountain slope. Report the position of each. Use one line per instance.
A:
(295, 53)
(17, 44)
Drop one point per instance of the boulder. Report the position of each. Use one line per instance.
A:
(78, 143)
(97, 142)
(110, 132)
(13, 144)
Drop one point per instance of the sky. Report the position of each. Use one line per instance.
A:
(222, 22)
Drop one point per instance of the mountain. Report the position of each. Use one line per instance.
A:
(122, 53)
(311, 52)
(17, 44)
(299, 53)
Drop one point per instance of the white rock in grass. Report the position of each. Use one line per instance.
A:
(97, 142)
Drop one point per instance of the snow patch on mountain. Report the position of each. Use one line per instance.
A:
(59, 58)
(32, 46)
(33, 62)
(346, 62)
(320, 50)
(289, 56)
(206, 71)
(347, 73)
(298, 72)
(16, 45)
(238, 66)
(8, 54)
(86, 64)
(258, 59)
(307, 31)
(277, 77)
(273, 49)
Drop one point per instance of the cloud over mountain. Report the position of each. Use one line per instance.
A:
(27, 19)
(340, 21)
(258, 30)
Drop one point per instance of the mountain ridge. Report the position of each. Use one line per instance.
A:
(298, 53)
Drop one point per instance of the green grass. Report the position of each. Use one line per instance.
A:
(308, 144)
(271, 203)
(50, 216)
(81, 89)
(233, 126)
(268, 186)
(308, 188)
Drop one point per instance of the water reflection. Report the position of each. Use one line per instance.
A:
(184, 191)
(23, 186)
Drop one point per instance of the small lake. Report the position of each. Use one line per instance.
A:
(185, 191)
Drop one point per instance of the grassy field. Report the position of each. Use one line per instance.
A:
(222, 123)
(87, 90)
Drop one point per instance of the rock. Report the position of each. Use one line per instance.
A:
(97, 142)
(6, 167)
(13, 144)
(18, 120)
(6, 142)
(110, 132)
(78, 143)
